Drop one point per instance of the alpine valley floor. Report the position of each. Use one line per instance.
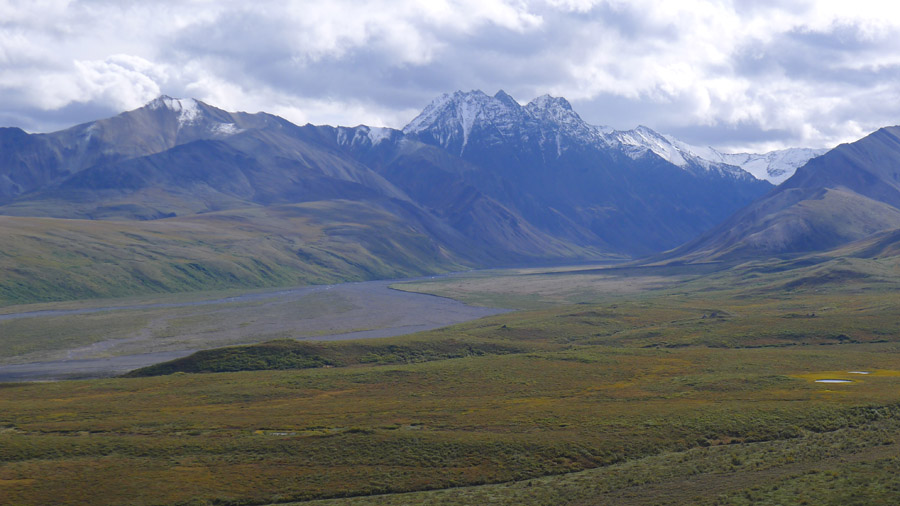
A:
(666, 385)
(108, 337)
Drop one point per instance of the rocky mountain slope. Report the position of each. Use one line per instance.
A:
(472, 181)
(583, 182)
(774, 166)
(849, 193)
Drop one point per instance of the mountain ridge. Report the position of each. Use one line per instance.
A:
(847, 194)
(473, 181)
(631, 199)
(773, 166)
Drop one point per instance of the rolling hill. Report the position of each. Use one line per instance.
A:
(46, 259)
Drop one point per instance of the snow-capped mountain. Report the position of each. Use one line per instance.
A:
(193, 113)
(451, 120)
(638, 142)
(365, 136)
(844, 195)
(517, 181)
(633, 191)
(774, 166)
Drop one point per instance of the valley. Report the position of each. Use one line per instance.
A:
(55, 341)
(498, 303)
(679, 385)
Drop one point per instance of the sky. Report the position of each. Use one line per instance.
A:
(737, 75)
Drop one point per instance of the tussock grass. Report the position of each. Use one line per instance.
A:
(699, 393)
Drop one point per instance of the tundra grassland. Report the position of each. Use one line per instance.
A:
(698, 389)
(52, 259)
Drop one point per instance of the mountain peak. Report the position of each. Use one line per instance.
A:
(505, 98)
(188, 109)
(173, 104)
(555, 114)
(456, 121)
(545, 102)
(449, 119)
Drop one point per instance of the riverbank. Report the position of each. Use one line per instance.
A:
(103, 341)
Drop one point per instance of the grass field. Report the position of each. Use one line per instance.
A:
(48, 259)
(677, 387)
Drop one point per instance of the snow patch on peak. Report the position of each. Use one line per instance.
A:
(187, 108)
(450, 116)
(429, 115)
(774, 166)
(468, 111)
(378, 134)
(225, 129)
(505, 97)
(638, 142)
(161, 101)
(551, 122)
(450, 120)
(363, 135)
(190, 112)
(556, 113)
(547, 102)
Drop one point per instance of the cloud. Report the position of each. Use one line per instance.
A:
(740, 74)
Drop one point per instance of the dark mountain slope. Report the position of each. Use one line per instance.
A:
(846, 194)
(439, 182)
(31, 162)
(209, 182)
(473, 181)
(201, 176)
(570, 178)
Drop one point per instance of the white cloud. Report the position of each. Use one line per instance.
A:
(123, 81)
(687, 56)
(739, 73)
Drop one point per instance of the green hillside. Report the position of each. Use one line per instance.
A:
(695, 392)
(46, 259)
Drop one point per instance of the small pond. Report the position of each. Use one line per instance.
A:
(833, 381)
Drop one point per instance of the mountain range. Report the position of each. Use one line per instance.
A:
(473, 181)
(516, 181)
(845, 195)
(577, 180)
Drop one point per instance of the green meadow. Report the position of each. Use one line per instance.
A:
(608, 386)
(51, 259)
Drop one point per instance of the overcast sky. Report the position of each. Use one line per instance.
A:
(740, 75)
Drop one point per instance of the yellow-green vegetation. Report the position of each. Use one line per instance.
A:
(700, 391)
(854, 465)
(629, 399)
(291, 354)
(47, 259)
(267, 436)
(772, 279)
